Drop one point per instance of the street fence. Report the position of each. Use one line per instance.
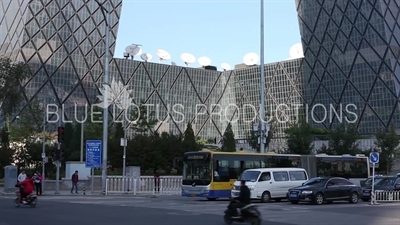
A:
(387, 196)
(148, 185)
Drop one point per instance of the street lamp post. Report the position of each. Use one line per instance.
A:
(106, 15)
(262, 81)
(124, 144)
(44, 157)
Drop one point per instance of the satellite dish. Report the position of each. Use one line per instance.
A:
(146, 56)
(173, 63)
(250, 59)
(163, 55)
(139, 52)
(296, 51)
(130, 49)
(204, 61)
(225, 66)
(188, 58)
(135, 52)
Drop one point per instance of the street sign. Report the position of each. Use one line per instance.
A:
(374, 157)
(93, 153)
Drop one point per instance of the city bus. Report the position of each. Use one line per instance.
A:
(211, 174)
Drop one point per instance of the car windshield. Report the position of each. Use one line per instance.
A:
(385, 182)
(368, 182)
(251, 176)
(320, 182)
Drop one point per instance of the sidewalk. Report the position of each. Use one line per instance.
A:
(87, 193)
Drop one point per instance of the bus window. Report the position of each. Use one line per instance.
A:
(342, 167)
(222, 168)
(234, 169)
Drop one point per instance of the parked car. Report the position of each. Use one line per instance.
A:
(382, 184)
(368, 182)
(325, 189)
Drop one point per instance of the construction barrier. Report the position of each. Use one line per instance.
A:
(387, 196)
(164, 185)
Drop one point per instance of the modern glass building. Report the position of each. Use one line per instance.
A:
(351, 57)
(351, 51)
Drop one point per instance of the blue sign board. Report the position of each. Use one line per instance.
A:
(93, 153)
(374, 157)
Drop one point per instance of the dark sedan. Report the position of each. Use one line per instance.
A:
(381, 184)
(325, 189)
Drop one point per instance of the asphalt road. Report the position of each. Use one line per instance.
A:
(175, 210)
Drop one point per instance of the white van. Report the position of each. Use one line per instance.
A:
(270, 183)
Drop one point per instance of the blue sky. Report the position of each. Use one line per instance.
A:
(222, 30)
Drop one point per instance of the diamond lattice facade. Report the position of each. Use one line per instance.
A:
(351, 57)
(351, 51)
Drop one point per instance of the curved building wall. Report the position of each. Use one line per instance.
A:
(351, 53)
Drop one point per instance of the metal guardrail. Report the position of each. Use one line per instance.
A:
(387, 196)
(165, 185)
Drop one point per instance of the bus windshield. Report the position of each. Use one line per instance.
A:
(196, 169)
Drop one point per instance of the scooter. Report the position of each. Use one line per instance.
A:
(30, 200)
(248, 214)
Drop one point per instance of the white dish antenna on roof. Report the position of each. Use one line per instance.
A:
(225, 66)
(146, 56)
(188, 58)
(133, 50)
(250, 59)
(163, 55)
(296, 51)
(204, 61)
(173, 63)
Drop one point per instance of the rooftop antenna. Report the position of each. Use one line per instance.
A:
(146, 57)
(225, 66)
(173, 63)
(163, 55)
(250, 59)
(188, 58)
(296, 51)
(204, 61)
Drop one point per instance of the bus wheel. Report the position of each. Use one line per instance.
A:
(265, 197)
(212, 199)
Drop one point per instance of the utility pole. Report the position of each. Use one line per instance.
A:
(44, 157)
(82, 130)
(262, 81)
(58, 159)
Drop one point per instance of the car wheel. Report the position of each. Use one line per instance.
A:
(265, 197)
(294, 202)
(318, 199)
(256, 221)
(353, 198)
(365, 199)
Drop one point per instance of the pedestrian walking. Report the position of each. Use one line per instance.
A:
(21, 176)
(75, 179)
(38, 183)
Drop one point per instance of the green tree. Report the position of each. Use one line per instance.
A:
(300, 138)
(228, 140)
(343, 140)
(387, 143)
(93, 129)
(253, 136)
(142, 120)
(11, 76)
(189, 141)
(201, 142)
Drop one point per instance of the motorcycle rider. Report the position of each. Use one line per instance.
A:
(27, 189)
(243, 199)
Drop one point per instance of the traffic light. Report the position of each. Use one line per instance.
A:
(60, 134)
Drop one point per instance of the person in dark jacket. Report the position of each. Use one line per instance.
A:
(74, 180)
(244, 197)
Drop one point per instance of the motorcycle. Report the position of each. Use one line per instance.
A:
(30, 200)
(248, 214)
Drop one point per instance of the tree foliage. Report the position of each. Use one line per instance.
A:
(343, 140)
(228, 140)
(12, 74)
(300, 138)
(387, 144)
(189, 140)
